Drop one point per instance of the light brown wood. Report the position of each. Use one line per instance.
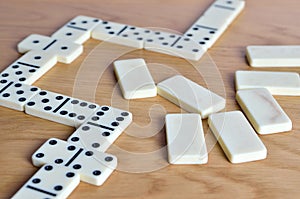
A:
(143, 171)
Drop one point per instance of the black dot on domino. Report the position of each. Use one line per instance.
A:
(15, 66)
(74, 102)
(36, 180)
(105, 108)
(6, 95)
(20, 92)
(33, 89)
(72, 114)
(83, 104)
(45, 100)
(37, 57)
(92, 106)
(3, 81)
(77, 166)
(63, 112)
(71, 148)
(115, 123)
(96, 172)
(100, 113)
(95, 145)
(58, 188)
(22, 99)
(105, 134)
(108, 159)
(95, 118)
(5, 75)
(68, 33)
(59, 97)
(75, 139)
(124, 114)
(85, 128)
(120, 119)
(58, 161)
(35, 41)
(39, 155)
(70, 174)
(43, 93)
(47, 108)
(89, 153)
(30, 103)
(52, 142)
(22, 79)
(64, 48)
(81, 117)
(48, 168)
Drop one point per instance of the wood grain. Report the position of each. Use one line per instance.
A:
(143, 171)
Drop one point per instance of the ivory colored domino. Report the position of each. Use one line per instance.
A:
(120, 34)
(135, 79)
(94, 167)
(263, 111)
(213, 23)
(190, 96)
(185, 137)
(273, 56)
(278, 83)
(60, 108)
(50, 181)
(29, 68)
(174, 45)
(77, 30)
(16, 95)
(236, 136)
(65, 51)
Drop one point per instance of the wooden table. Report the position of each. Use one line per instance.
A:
(143, 171)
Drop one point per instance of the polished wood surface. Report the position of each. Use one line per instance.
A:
(143, 171)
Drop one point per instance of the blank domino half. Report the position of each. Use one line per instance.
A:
(185, 137)
(273, 56)
(212, 24)
(190, 96)
(278, 83)
(93, 167)
(134, 79)
(236, 136)
(50, 181)
(16, 95)
(263, 111)
(65, 51)
(77, 30)
(29, 68)
(60, 108)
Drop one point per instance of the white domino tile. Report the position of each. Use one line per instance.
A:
(236, 136)
(60, 108)
(101, 129)
(278, 83)
(29, 68)
(190, 96)
(212, 24)
(65, 51)
(93, 167)
(174, 45)
(134, 79)
(273, 56)
(120, 34)
(185, 138)
(263, 111)
(77, 30)
(15, 95)
(50, 181)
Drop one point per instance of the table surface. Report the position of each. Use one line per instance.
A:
(143, 170)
